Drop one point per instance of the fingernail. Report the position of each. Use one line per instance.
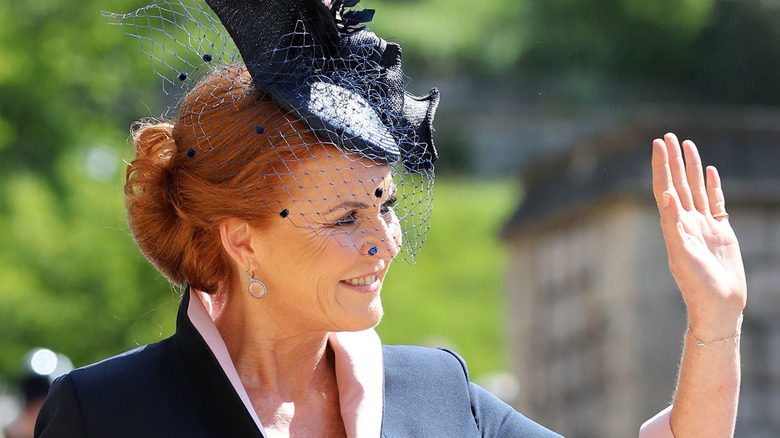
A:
(667, 199)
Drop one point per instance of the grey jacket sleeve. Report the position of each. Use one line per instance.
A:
(497, 419)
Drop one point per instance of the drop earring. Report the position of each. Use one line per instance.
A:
(255, 287)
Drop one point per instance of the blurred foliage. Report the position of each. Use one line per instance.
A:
(70, 276)
(720, 51)
(67, 81)
(623, 36)
(70, 86)
(452, 34)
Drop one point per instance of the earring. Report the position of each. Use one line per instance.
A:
(255, 284)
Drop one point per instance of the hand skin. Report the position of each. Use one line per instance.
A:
(705, 260)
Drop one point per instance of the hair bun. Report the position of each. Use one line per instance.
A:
(152, 215)
(154, 141)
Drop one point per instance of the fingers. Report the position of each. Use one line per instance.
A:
(663, 186)
(682, 176)
(677, 170)
(695, 174)
(715, 193)
(671, 221)
(662, 177)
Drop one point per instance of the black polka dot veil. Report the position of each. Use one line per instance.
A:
(323, 64)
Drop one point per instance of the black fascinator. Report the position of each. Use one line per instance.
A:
(341, 78)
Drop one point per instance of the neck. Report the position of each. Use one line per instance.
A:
(273, 360)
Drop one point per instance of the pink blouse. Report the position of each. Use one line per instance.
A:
(359, 373)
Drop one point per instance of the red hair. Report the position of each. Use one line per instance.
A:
(218, 160)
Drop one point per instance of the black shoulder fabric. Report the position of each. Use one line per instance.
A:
(60, 416)
(174, 388)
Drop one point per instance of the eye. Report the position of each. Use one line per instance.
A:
(349, 219)
(387, 206)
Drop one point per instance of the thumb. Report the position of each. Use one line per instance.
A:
(670, 212)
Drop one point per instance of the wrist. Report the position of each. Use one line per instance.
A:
(714, 330)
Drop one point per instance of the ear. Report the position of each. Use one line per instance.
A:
(236, 237)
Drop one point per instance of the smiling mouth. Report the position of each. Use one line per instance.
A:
(362, 281)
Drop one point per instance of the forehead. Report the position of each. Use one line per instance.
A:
(327, 176)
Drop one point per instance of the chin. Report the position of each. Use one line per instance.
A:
(367, 319)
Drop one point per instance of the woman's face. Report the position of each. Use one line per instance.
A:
(325, 262)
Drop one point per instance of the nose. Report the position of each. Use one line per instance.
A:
(383, 240)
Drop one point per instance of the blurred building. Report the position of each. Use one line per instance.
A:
(596, 321)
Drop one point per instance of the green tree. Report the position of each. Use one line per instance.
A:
(70, 86)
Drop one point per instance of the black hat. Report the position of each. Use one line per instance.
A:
(340, 78)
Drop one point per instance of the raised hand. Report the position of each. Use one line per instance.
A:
(705, 260)
(704, 254)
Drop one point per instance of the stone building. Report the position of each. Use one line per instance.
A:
(596, 321)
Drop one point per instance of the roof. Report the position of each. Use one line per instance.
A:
(743, 143)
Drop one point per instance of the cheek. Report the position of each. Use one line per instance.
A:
(395, 233)
(356, 236)
(395, 228)
(334, 253)
(313, 258)
(347, 239)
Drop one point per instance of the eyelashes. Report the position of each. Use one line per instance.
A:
(387, 206)
(352, 217)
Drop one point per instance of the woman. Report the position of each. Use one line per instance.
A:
(278, 198)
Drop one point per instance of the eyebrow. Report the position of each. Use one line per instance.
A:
(358, 205)
(350, 205)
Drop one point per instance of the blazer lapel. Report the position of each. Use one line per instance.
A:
(219, 406)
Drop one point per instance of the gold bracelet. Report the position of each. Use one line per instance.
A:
(734, 337)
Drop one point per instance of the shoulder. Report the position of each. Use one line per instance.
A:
(145, 355)
(428, 393)
(128, 392)
(133, 368)
(412, 358)
(423, 370)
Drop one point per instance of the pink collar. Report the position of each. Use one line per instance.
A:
(359, 372)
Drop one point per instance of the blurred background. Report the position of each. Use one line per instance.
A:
(544, 266)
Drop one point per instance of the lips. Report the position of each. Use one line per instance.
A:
(362, 281)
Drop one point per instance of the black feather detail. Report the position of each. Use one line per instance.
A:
(350, 21)
(355, 18)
